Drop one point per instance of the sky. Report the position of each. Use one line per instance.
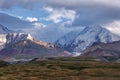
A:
(39, 14)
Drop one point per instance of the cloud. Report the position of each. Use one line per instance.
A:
(57, 3)
(97, 15)
(5, 4)
(90, 12)
(49, 9)
(32, 19)
(113, 27)
(58, 15)
(82, 3)
(53, 32)
(16, 23)
(20, 17)
(13, 22)
(38, 25)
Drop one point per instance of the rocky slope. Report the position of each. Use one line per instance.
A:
(21, 45)
(77, 41)
(31, 48)
(103, 49)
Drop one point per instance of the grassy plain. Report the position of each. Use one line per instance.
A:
(79, 68)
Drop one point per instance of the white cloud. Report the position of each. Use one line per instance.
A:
(57, 15)
(91, 11)
(20, 17)
(48, 9)
(38, 25)
(113, 27)
(31, 19)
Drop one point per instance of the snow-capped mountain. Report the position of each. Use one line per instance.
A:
(22, 45)
(11, 38)
(51, 33)
(25, 46)
(77, 41)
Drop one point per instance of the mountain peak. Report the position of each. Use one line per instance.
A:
(94, 27)
(29, 37)
(21, 45)
(85, 38)
(15, 37)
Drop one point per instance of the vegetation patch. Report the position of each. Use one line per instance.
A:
(61, 69)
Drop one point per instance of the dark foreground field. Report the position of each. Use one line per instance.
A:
(62, 69)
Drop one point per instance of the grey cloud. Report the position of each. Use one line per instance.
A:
(79, 3)
(13, 22)
(97, 15)
(55, 3)
(90, 12)
(28, 4)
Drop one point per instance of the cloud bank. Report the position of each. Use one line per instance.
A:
(6, 4)
(15, 23)
(89, 12)
(58, 15)
(79, 12)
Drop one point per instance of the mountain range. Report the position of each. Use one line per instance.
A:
(22, 45)
(78, 41)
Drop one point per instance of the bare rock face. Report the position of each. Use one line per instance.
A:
(21, 45)
(25, 46)
(103, 49)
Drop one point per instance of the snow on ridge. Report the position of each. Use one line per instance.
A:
(80, 40)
